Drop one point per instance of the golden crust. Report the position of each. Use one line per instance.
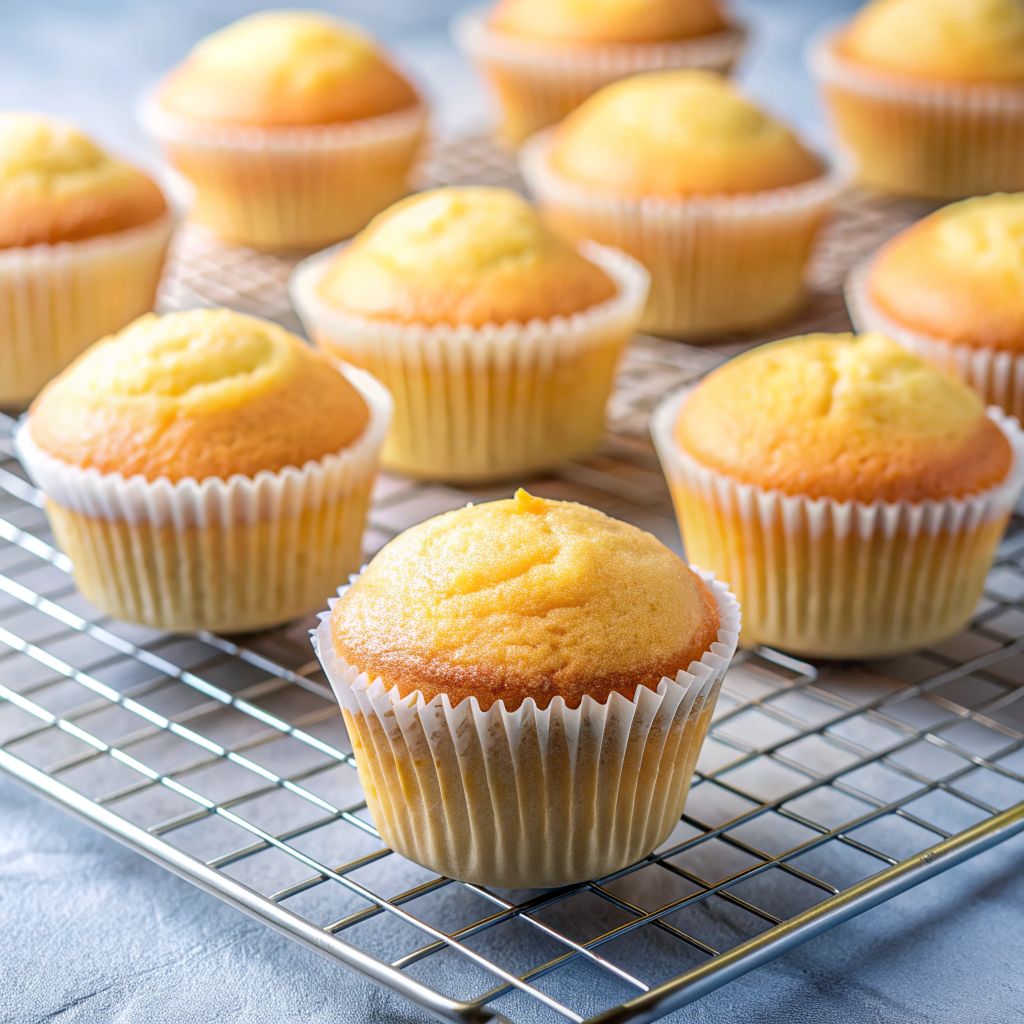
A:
(462, 256)
(608, 21)
(947, 40)
(524, 598)
(677, 133)
(207, 393)
(286, 68)
(958, 274)
(56, 185)
(852, 418)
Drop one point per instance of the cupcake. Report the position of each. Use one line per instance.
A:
(543, 58)
(526, 685)
(951, 289)
(82, 243)
(853, 494)
(498, 340)
(929, 94)
(718, 200)
(206, 470)
(293, 126)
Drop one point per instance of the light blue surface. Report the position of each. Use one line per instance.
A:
(92, 932)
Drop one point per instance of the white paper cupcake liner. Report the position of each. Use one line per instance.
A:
(835, 579)
(943, 140)
(291, 187)
(221, 555)
(537, 84)
(530, 798)
(996, 374)
(477, 403)
(717, 262)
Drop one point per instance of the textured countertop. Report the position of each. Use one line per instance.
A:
(93, 932)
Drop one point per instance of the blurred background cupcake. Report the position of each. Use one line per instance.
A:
(82, 244)
(716, 198)
(852, 494)
(543, 58)
(207, 470)
(929, 94)
(294, 127)
(951, 289)
(498, 340)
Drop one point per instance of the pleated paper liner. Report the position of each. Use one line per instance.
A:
(717, 262)
(537, 84)
(996, 374)
(530, 798)
(291, 187)
(479, 403)
(824, 578)
(220, 555)
(943, 140)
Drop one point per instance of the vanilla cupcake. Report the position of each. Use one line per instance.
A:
(718, 200)
(853, 494)
(526, 685)
(929, 94)
(951, 289)
(293, 126)
(543, 58)
(498, 340)
(82, 243)
(207, 470)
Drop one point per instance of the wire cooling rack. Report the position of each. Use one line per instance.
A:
(821, 790)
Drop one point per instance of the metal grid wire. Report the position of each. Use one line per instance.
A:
(821, 789)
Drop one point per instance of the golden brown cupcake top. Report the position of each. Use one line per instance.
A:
(286, 68)
(524, 598)
(958, 274)
(608, 21)
(56, 185)
(843, 416)
(677, 133)
(207, 393)
(954, 40)
(462, 256)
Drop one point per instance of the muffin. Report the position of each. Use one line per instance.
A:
(293, 126)
(951, 289)
(82, 243)
(556, 672)
(498, 340)
(929, 94)
(543, 58)
(206, 470)
(854, 493)
(718, 200)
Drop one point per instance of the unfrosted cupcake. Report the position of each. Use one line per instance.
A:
(555, 671)
(498, 340)
(82, 243)
(207, 470)
(929, 94)
(951, 289)
(716, 198)
(294, 127)
(543, 58)
(852, 494)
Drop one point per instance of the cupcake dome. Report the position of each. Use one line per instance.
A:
(958, 274)
(462, 256)
(608, 21)
(207, 393)
(950, 40)
(286, 68)
(56, 185)
(851, 418)
(525, 598)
